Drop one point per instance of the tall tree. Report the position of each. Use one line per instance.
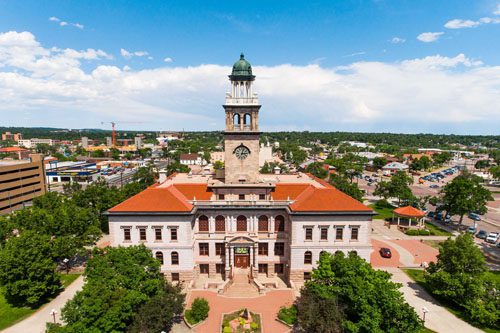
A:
(398, 187)
(351, 189)
(27, 270)
(379, 162)
(465, 194)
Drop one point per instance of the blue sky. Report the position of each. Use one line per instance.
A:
(361, 65)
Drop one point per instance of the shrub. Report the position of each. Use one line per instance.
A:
(415, 232)
(412, 232)
(199, 309)
(288, 315)
(254, 326)
(227, 329)
(424, 232)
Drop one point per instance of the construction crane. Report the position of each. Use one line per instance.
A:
(113, 131)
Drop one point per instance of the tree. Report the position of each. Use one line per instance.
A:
(119, 281)
(369, 301)
(349, 165)
(351, 189)
(115, 153)
(317, 313)
(177, 167)
(482, 164)
(465, 194)
(27, 271)
(317, 169)
(199, 310)
(459, 276)
(159, 312)
(442, 158)
(379, 162)
(145, 175)
(398, 187)
(495, 172)
(218, 165)
(97, 153)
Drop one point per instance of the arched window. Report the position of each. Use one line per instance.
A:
(220, 223)
(175, 258)
(203, 223)
(159, 256)
(353, 253)
(308, 258)
(236, 119)
(338, 252)
(241, 223)
(247, 119)
(279, 223)
(322, 253)
(263, 223)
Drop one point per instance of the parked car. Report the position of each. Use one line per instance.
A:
(492, 237)
(482, 234)
(434, 186)
(474, 216)
(472, 230)
(431, 214)
(385, 252)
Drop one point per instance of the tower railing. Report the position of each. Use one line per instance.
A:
(242, 100)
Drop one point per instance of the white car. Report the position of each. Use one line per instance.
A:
(492, 237)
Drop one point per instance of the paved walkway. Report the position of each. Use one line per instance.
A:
(267, 305)
(37, 321)
(438, 318)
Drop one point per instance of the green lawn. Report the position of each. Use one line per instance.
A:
(417, 275)
(383, 212)
(433, 243)
(436, 231)
(10, 315)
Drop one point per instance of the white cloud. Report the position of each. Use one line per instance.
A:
(65, 23)
(428, 37)
(397, 40)
(127, 55)
(497, 10)
(430, 94)
(168, 60)
(458, 24)
(355, 54)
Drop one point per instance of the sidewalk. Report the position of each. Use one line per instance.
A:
(37, 321)
(438, 318)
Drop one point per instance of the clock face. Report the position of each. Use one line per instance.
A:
(241, 152)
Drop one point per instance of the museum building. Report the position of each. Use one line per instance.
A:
(267, 225)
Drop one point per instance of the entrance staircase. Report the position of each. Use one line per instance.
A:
(242, 286)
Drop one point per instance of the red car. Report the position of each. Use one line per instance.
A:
(385, 252)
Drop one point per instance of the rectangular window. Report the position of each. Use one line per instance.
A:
(263, 268)
(203, 249)
(175, 277)
(263, 249)
(339, 233)
(158, 234)
(324, 233)
(307, 276)
(219, 268)
(204, 269)
(278, 268)
(309, 233)
(241, 197)
(126, 234)
(221, 197)
(354, 233)
(220, 249)
(220, 224)
(142, 234)
(279, 249)
(173, 234)
(262, 197)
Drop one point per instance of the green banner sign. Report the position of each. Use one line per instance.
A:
(241, 250)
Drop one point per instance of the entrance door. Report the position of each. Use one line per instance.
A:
(241, 260)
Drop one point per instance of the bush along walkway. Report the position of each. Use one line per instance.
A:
(36, 323)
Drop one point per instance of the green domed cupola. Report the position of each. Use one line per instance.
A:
(242, 70)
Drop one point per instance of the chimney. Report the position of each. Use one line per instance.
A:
(162, 175)
(277, 170)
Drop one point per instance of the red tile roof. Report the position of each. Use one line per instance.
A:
(12, 149)
(194, 191)
(409, 211)
(155, 199)
(326, 200)
(286, 191)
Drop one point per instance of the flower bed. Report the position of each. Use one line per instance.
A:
(241, 321)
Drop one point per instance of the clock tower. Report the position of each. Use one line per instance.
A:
(241, 137)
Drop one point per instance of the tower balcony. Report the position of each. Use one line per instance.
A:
(241, 100)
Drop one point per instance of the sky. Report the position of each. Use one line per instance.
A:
(400, 66)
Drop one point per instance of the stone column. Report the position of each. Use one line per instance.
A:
(251, 257)
(271, 225)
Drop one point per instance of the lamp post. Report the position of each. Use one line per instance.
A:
(53, 313)
(424, 310)
(66, 264)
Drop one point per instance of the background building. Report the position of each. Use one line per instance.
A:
(20, 182)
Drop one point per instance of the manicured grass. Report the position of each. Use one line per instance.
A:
(436, 231)
(417, 275)
(9, 315)
(433, 243)
(383, 211)
(67, 279)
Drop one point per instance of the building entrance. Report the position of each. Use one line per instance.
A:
(241, 257)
